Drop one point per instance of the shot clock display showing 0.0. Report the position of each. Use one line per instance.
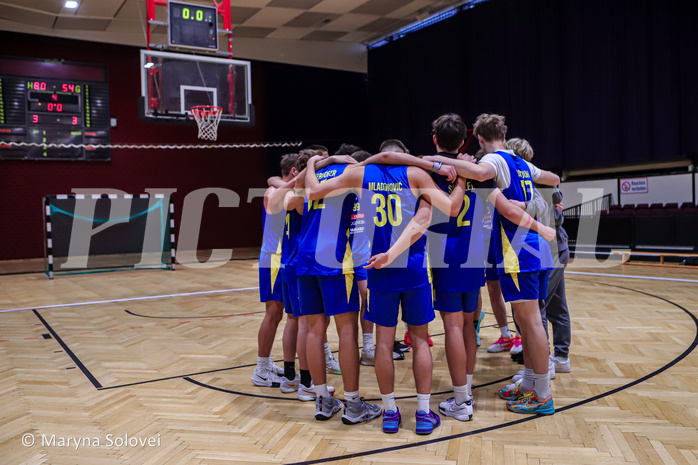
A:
(193, 26)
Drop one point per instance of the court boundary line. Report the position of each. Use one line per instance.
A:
(69, 352)
(130, 299)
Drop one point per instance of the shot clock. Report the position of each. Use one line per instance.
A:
(193, 26)
(53, 102)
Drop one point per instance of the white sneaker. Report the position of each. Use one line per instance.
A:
(306, 394)
(287, 386)
(516, 347)
(368, 356)
(461, 412)
(276, 369)
(511, 387)
(264, 377)
(551, 369)
(562, 365)
(518, 376)
(332, 365)
(325, 408)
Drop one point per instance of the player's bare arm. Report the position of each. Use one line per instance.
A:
(518, 216)
(274, 198)
(413, 231)
(548, 178)
(423, 186)
(397, 158)
(350, 179)
(465, 168)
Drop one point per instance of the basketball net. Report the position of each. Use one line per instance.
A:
(207, 118)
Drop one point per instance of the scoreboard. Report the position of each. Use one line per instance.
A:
(48, 102)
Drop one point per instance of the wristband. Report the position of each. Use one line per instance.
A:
(437, 166)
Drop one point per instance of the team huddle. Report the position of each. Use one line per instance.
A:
(366, 239)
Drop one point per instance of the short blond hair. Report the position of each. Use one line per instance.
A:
(520, 147)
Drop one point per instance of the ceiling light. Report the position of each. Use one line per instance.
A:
(71, 4)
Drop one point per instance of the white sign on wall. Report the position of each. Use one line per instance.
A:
(634, 186)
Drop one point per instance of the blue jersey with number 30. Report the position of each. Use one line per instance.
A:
(518, 250)
(390, 205)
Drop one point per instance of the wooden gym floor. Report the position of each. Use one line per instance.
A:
(176, 370)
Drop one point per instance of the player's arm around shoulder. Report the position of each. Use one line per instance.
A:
(350, 179)
(466, 168)
(423, 186)
(547, 178)
(518, 216)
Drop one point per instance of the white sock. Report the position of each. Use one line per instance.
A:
(328, 352)
(527, 381)
(263, 362)
(389, 402)
(542, 385)
(321, 391)
(423, 402)
(368, 340)
(351, 396)
(469, 384)
(271, 361)
(506, 333)
(461, 394)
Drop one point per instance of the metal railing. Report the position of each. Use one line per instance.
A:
(589, 208)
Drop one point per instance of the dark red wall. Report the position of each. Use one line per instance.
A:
(23, 184)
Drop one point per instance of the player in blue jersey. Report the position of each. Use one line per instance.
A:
(267, 373)
(390, 197)
(327, 287)
(523, 258)
(457, 263)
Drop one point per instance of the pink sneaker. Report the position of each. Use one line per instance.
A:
(516, 347)
(501, 344)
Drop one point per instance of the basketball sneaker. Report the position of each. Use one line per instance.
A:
(426, 422)
(287, 386)
(461, 412)
(513, 393)
(276, 369)
(265, 377)
(503, 343)
(398, 355)
(516, 347)
(400, 347)
(368, 356)
(562, 365)
(332, 365)
(517, 377)
(533, 404)
(358, 411)
(325, 408)
(306, 394)
(477, 327)
(391, 421)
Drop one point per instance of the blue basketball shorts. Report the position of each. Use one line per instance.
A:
(331, 295)
(361, 273)
(417, 306)
(269, 277)
(452, 302)
(517, 287)
(289, 292)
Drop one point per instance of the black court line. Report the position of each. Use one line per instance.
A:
(70, 353)
(260, 396)
(690, 349)
(191, 317)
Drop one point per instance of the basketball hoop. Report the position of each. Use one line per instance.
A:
(207, 118)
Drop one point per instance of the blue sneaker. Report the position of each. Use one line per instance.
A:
(477, 326)
(426, 422)
(391, 421)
